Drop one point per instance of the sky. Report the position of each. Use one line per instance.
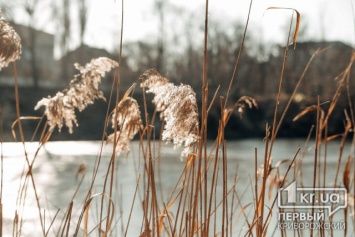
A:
(330, 19)
(325, 19)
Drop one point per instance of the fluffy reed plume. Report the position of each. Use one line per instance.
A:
(81, 170)
(152, 78)
(81, 92)
(10, 43)
(178, 108)
(128, 118)
(245, 100)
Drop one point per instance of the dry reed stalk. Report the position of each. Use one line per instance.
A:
(342, 78)
(282, 182)
(151, 208)
(182, 204)
(259, 214)
(193, 197)
(242, 212)
(87, 205)
(325, 157)
(256, 177)
(348, 128)
(2, 172)
(185, 176)
(133, 201)
(52, 222)
(317, 145)
(202, 146)
(82, 91)
(115, 143)
(298, 22)
(99, 157)
(67, 220)
(29, 174)
(225, 193)
(346, 182)
(259, 209)
(180, 193)
(225, 114)
(62, 224)
(13, 125)
(353, 184)
(146, 153)
(214, 179)
(232, 211)
(275, 122)
(298, 171)
(316, 53)
(127, 118)
(239, 55)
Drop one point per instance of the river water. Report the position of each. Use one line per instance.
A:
(56, 179)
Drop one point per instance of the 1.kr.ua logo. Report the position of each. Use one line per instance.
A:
(294, 197)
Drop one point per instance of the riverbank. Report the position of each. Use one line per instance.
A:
(250, 124)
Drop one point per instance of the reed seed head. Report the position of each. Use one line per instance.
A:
(81, 92)
(152, 78)
(10, 43)
(245, 100)
(178, 108)
(127, 116)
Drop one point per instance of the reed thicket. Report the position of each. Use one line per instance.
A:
(203, 202)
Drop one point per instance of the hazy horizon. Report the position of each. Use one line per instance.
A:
(320, 20)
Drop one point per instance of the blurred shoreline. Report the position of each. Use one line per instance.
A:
(250, 124)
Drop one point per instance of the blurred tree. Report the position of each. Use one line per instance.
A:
(193, 56)
(30, 19)
(142, 55)
(83, 16)
(30, 7)
(66, 21)
(83, 10)
(160, 8)
(65, 36)
(6, 9)
(221, 56)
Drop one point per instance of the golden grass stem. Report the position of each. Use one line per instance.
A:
(274, 124)
(116, 116)
(67, 220)
(318, 51)
(2, 171)
(225, 193)
(281, 185)
(30, 174)
(52, 222)
(87, 205)
(318, 139)
(130, 212)
(203, 136)
(213, 181)
(325, 157)
(239, 56)
(259, 212)
(342, 146)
